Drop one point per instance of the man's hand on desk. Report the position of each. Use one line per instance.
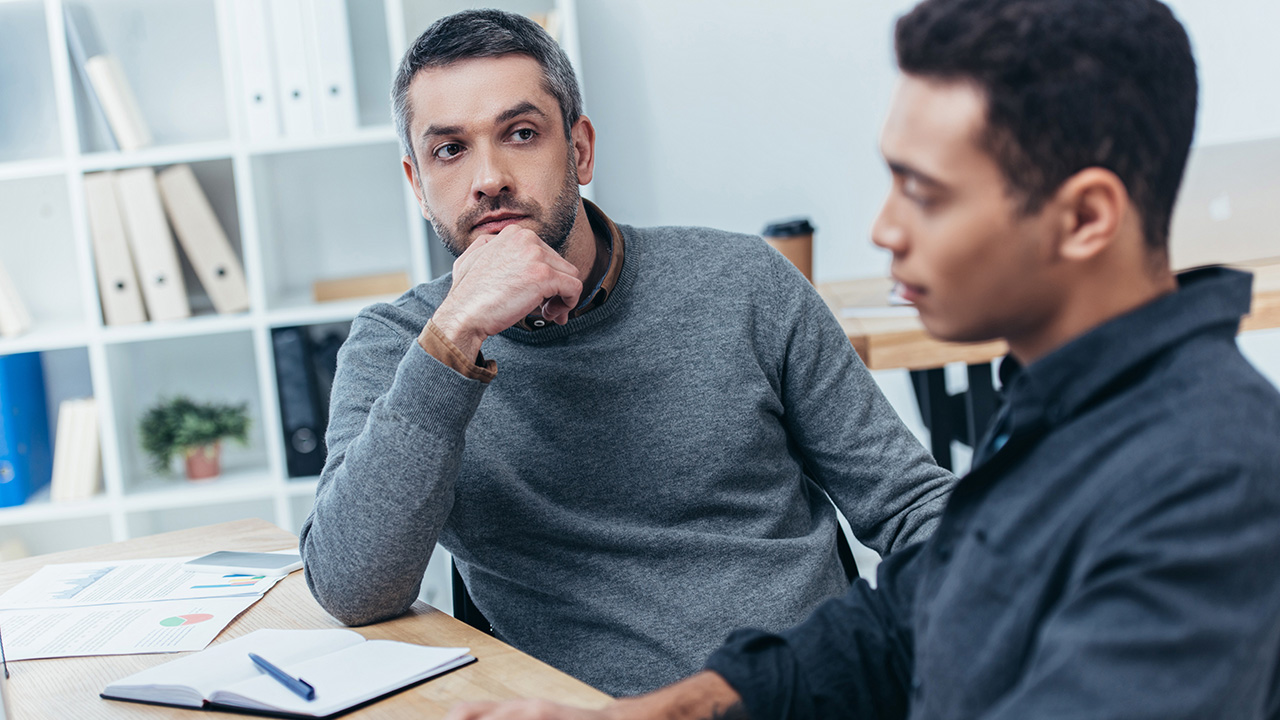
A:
(498, 281)
(704, 696)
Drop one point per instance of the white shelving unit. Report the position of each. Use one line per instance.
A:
(296, 210)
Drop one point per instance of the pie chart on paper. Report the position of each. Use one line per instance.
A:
(180, 620)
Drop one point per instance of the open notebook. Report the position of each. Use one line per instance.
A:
(346, 670)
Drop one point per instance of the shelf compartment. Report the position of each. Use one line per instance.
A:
(169, 54)
(371, 61)
(216, 179)
(326, 214)
(28, 108)
(218, 367)
(38, 250)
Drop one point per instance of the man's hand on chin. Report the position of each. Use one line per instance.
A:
(705, 696)
(498, 281)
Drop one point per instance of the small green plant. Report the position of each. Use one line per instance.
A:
(174, 425)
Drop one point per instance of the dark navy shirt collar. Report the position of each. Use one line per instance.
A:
(1062, 383)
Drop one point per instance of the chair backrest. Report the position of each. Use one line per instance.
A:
(463, 608)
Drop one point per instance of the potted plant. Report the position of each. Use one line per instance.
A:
(180, 426)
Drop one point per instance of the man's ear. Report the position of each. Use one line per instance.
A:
(1094, 204)
(411, 174)
(582, 136)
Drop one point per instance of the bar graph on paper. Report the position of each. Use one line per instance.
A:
(232, 581)
(73, 586)
(128, 581)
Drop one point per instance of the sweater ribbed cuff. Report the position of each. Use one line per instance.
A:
(430, 394)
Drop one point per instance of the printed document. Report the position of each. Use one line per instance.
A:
(122, 629)
(127, 581)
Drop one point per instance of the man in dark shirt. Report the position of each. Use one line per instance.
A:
(1113, 554)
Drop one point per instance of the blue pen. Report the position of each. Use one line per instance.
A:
(300, 687)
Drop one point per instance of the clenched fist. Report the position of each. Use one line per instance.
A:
(501, 279)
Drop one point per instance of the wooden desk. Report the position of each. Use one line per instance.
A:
(890, 343)
(899, 342)
(68, 687)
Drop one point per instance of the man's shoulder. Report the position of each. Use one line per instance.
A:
(1203, 414)
(407, 314)
(703, 248)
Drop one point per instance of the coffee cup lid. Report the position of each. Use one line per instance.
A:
(789, 228)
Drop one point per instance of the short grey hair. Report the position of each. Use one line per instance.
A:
(484, 33)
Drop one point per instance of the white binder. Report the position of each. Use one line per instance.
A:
(83, 43)
(14, 318)
(77, 458)
(293, 76)
(159, 273)
(203, 239)
(259, 96)
(118, 103)
(329, 50)
(117, 281)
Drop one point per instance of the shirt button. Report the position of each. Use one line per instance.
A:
(917, 687)
(539, 323)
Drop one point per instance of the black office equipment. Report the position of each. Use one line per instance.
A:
(300, 411)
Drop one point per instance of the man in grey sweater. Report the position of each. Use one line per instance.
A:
(630, 439)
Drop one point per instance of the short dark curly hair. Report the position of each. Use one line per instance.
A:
(1069, 84)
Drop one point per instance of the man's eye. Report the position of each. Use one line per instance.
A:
(524, 134)
(912, 189)
(448, 150)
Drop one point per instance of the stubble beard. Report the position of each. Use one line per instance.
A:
(554, 231)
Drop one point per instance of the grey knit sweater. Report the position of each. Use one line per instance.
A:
(633, 485)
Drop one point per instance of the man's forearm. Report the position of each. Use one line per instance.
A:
(388, 486)
(373, 529)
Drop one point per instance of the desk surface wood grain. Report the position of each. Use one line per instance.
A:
(68, 687)
(900, 342)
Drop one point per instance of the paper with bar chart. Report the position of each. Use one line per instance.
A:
(123, 629)
(123, 607)
(127, 581)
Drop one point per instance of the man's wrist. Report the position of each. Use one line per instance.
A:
(703, 696)
(434, 342)
(468, 340)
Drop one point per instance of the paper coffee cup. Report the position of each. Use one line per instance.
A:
(794, 239)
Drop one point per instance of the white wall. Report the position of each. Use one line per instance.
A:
(731, 113)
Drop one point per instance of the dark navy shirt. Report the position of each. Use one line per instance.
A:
(1117, 557)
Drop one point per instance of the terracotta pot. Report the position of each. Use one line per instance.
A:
(203, 462)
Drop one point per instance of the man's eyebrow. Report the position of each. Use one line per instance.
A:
(905, 170)
(438, 130)
(523, 108)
